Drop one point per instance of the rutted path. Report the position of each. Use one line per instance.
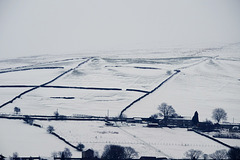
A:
(44, 84)
(147, 93)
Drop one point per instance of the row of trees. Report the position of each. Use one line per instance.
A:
(110, 152)
(118, 152)
(233, 154)
(167, 111)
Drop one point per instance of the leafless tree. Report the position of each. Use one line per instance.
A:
(166, 110)
(118, 152)
(219, 114)
(193, 154)
(130, 153)
(113, 152)
(219, 155)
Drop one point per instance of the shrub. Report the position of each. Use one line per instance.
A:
(80, 147)
(169, 72)
(50, 129)
(17, 110)
(28, 120)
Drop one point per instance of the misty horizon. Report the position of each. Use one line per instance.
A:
(30, 28)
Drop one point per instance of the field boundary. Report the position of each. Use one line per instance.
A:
(44, 84)
(220, 142)
(140, 98)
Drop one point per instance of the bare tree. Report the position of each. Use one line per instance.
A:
(219, 155)
(130, 153)
(166, 110)
(118, 152)
(193, 154)
(219, 114)
(113, 152)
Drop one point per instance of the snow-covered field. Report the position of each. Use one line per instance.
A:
(27, 140)
(160, 142)
(209, 78)
(88, 102)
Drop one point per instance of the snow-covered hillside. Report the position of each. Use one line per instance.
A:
(101, 83)
(209, 78)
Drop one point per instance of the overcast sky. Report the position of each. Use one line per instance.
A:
(33, 27)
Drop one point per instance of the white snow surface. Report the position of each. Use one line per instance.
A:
(209, 78)
(28, 140)
(159, 142)
(86, 102)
